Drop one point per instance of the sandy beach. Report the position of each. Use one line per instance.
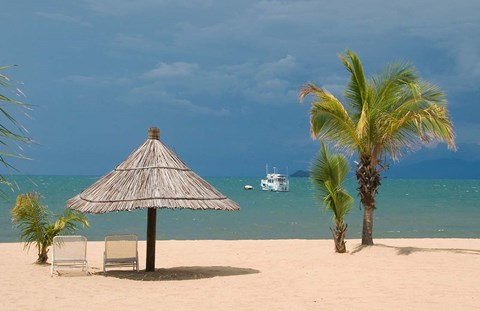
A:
(395, 274)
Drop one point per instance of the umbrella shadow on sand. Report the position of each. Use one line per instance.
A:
(179, 273)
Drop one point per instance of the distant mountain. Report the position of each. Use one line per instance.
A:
(300, 173)
(428, 169)
(436, 169)
(465, 152)
(429, 163)
(439, 162)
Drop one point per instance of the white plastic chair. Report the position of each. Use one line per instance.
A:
(69, 251)
(121, 251)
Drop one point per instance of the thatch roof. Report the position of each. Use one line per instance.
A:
(153, 176)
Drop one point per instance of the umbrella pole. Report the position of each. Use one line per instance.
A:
(151, 238)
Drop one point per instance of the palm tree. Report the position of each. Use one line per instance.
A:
(32, 218)
(386, 115)
(6, 133)
(327, 175)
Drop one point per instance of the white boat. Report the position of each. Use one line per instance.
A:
(275, 181)
(248, 187)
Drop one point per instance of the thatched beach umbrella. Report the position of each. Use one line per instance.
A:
(151, 177)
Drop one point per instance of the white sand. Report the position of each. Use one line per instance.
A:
(402, 274)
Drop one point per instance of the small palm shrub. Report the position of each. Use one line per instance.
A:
(327, 174)
(35, 223)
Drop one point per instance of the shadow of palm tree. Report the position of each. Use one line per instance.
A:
(407, 250)
(179, 273)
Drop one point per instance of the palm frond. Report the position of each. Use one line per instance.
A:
(327, 174)
(329, 120)
(18, 133)
(71, 221)
(356, 91)
(419, 116)
(307, 89)
(389, 83)
(30, 217)
(417, 96)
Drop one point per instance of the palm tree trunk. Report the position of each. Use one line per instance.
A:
(367, 232)
(368, 178)
(42, 254)
(339, 237)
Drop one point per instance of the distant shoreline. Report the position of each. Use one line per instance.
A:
(385, 175)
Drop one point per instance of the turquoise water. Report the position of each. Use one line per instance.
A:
(405, 208)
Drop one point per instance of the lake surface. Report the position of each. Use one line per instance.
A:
(405, 209)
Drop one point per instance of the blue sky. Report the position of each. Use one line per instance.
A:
(219, 78)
